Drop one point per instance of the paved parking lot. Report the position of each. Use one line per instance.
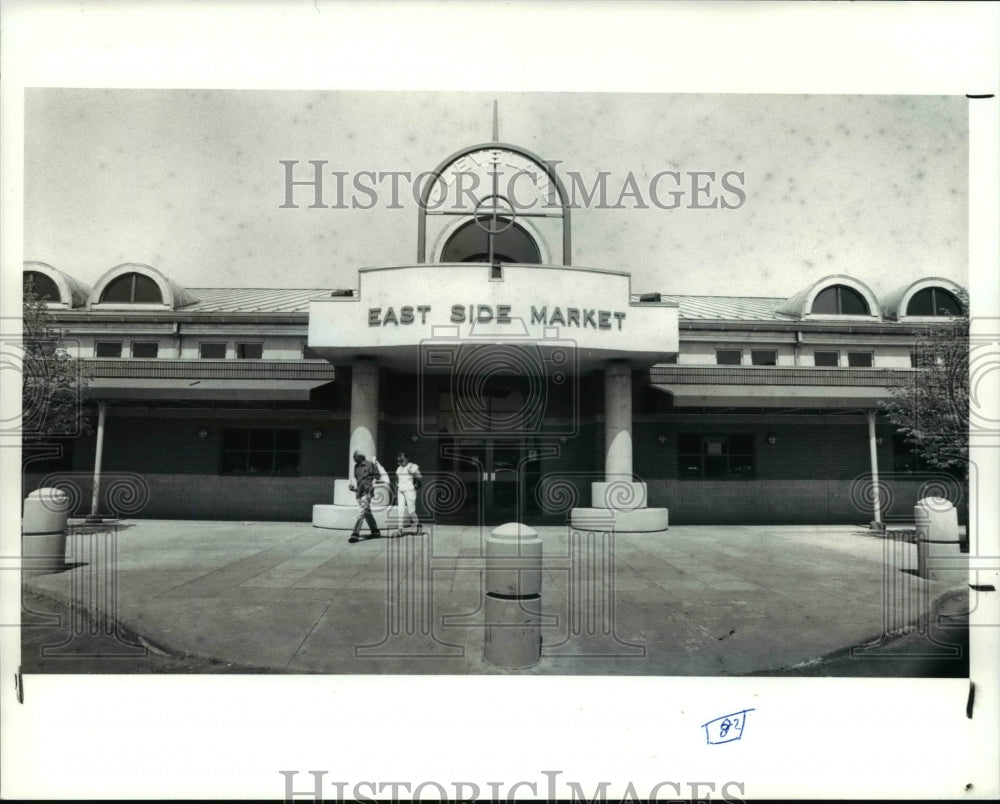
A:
(696, 600)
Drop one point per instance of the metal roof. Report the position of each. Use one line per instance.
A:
(253, 300)
(296, 300)
(728, 308)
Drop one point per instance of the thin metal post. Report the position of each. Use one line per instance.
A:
(102, 411)
(876, 489)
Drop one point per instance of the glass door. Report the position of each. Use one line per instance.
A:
(498, 478)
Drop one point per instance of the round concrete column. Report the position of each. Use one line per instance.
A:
(364, 411)
(617, 420)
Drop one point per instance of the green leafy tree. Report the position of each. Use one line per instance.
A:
(53, 382)
(931, 409)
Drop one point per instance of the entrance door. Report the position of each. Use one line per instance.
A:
(499, 479)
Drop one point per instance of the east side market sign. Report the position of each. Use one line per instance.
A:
(581, 317)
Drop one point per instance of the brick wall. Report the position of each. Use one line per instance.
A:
(802, 502)
(172, 446)
(820, 449)
(176, 496)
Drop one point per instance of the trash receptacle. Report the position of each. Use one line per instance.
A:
(43, 529)
(513, 585)
(939, 555)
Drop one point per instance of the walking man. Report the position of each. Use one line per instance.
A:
(407, 483)
(366, 475)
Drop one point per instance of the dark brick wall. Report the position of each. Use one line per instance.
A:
(824, 449)
(173, 496)
(689, 502)
(806, 477)
(171, 446)
(830, 502)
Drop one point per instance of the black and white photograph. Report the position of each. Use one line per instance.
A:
(502, 404)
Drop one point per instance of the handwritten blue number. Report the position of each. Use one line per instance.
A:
(724, 727)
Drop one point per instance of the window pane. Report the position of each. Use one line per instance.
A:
(715, 446)
(764, 357)
(286, 439)
(826, 358)
(715, 466)
(922, 303)
(689, 467)
(728, 357)
(741, 467)
(213, 351)
(108, 349)
(260, 462)
(945, 303)
(146, 290)
(45, 289)
(826, 302)
(249, 351)
(120, 290)
(286, 463)
(252, 450)
(262, 439)
(689, 444)
(741, 444)
(234, 462)
(859, 359)
(933, 301)
(852, 302)
(145, 349)
(235, 439)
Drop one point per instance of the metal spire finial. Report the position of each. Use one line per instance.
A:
(496, 124)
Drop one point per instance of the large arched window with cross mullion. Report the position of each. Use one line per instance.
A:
(496, 187)
(132, 288)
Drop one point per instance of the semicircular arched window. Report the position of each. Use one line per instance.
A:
(43, 286)
(933, 301)
(132, 289)
(471, 243)
(840, 300)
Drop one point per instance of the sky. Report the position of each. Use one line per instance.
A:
(191, 182)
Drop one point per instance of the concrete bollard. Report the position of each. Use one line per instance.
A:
(939, 555)
(513, 636)
(43, 529)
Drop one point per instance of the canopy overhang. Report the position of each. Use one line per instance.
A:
(184, 389)
(775, 396)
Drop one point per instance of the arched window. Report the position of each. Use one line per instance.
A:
(933, 301)
(840, 300)
(471, 243)
(132, 289)
(43, 286)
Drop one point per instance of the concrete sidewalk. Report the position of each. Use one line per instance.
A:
(697, 600)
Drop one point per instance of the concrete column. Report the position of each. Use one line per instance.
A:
(364, 411)
(873, 450)
(617, 420)
(98, 455)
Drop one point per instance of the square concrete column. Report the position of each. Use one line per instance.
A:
(364, 411)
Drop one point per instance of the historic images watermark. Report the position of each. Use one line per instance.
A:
(89, 628)
(320, 187)
(551, 788)
(52, 405)
(494, 411)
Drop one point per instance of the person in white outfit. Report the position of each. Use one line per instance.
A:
(407, 483)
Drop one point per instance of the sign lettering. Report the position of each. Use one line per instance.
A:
(581, 317)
